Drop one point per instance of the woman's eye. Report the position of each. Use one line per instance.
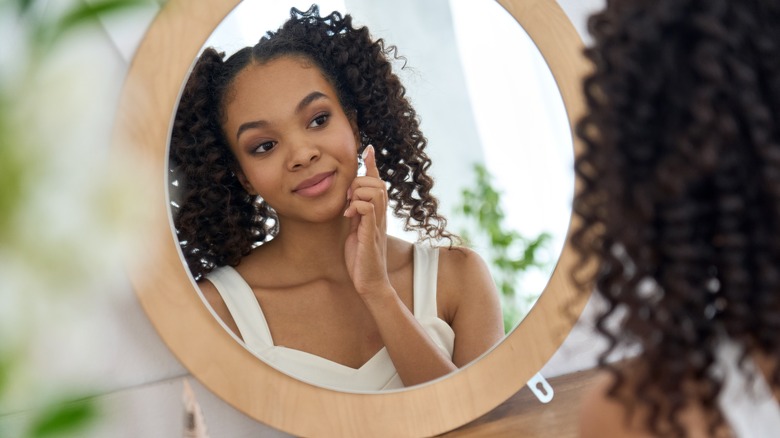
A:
(264, 147)
(319, 120)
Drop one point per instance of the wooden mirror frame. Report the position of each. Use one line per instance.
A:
(170, 298)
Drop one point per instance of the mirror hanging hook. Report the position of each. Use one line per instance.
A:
(541, 388)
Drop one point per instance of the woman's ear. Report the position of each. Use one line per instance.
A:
(244, 182)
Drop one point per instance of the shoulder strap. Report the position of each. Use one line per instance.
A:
(243, 307)
(426, 268)
(749, 407)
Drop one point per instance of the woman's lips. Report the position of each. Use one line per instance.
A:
(315, 185)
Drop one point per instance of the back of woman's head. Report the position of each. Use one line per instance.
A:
(680, 195)
(217, 221)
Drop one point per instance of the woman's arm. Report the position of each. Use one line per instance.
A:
(416, 357)
(471, 303)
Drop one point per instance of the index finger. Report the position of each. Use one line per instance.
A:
(369, 157)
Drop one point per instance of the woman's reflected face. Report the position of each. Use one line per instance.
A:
(294, 143)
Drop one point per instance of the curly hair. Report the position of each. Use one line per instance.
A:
(216, 220)
(680, 193)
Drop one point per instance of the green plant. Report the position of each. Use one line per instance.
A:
(508, 253)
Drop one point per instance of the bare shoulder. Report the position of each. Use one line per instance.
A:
(469, 302)
(462, 268)
(453, 260)
(601, 415)
(216, 302)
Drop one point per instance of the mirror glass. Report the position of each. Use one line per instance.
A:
(498, 134)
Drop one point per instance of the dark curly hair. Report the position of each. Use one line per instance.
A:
(216, 220)
(680, 193)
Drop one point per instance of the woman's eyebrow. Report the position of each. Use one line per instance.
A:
(311, 97)
(250, 125)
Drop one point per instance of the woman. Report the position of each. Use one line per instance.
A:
(289, 246)
(680, 209)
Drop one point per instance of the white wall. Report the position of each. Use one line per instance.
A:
(138, 379)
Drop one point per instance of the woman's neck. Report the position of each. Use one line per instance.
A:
(318, 246)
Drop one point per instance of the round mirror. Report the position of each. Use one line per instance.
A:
(495, 125)
(169, 296)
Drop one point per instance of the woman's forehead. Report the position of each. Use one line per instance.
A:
(278, 83)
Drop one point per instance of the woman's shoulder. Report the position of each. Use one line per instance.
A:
(459, 268)
(602, 414)
(464, 279)
(459, 263)
(455, 262)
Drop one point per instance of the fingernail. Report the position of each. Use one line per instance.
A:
(365, 151)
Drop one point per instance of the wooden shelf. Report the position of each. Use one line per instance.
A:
(524, 416)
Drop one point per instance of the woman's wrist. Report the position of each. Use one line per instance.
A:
(380, 296)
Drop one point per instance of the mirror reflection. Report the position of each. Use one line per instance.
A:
(281, 228)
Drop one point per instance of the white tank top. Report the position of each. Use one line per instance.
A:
(750, 410)
(377, 374)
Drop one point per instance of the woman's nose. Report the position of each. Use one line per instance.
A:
(303, 155)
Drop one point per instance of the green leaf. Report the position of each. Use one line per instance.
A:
(23, 5)
(507, 289)
(501, 239)
(64, 418)
(49, 33)
(86, 12)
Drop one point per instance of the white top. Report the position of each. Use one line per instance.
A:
(377, 374)
(750, 409)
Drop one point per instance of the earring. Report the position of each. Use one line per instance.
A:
(258, 201)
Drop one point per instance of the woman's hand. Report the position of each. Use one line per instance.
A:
(415, 355)
(365, 250)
